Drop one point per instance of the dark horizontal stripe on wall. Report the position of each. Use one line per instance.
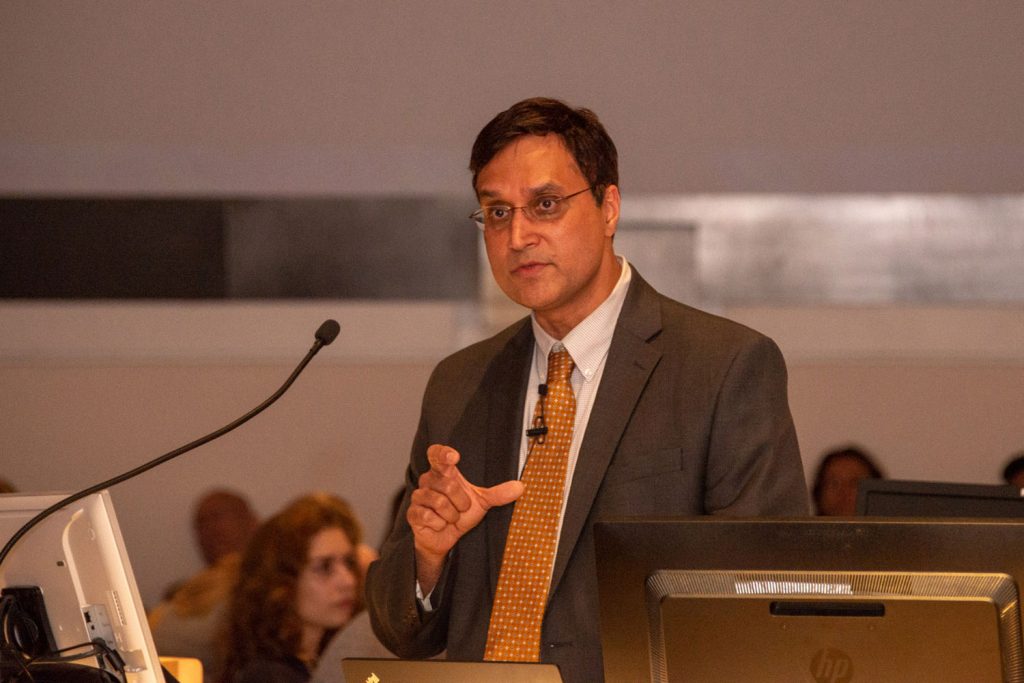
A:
(102, 248)
(374, 248)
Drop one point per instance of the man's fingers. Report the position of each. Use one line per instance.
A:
(444, 477)
(502, 494)
(444, 501)
(442, 458)
(436, 502)
(419, 516)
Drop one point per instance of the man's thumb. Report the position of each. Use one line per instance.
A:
(503, 493)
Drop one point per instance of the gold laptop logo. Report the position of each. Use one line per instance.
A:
(832, 666)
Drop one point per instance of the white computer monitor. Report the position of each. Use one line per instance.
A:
(77, 558)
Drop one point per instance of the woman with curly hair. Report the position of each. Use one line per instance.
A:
(298, 584)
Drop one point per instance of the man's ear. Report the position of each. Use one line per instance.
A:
(610, 209)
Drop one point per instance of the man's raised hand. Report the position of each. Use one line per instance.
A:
(445, 507)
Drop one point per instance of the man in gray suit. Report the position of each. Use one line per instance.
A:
(677, 412)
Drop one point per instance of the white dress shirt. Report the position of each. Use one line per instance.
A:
(588, 344)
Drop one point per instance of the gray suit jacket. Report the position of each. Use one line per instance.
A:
(691, 418)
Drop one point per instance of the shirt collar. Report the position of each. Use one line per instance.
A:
(589, 341)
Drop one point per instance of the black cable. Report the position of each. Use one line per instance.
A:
(539, 429)
(107, 659)
(8, 640)
(6, 604)
(12, 663)
(9, 653)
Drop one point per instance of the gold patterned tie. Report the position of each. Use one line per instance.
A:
(514, 631)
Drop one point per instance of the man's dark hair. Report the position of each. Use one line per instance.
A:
(580, 130)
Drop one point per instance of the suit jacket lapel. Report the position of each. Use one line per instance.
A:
(631, 359)
(507, 376)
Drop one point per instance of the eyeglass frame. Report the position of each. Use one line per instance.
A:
(478, 216)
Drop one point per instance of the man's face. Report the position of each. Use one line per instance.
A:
(563, 269)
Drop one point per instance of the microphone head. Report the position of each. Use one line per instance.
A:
(327, 332)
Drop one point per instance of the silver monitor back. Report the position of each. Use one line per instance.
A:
(811, 599)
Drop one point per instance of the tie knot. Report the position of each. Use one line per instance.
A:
(560, 366)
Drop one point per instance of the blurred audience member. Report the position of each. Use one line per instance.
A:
(186, 623)
(299, 583)
(223, 522)
(357, 638)
(835, 482)
(1013, 473)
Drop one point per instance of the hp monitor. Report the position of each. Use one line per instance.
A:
(814, 599)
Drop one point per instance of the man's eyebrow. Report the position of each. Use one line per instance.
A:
(546, 188)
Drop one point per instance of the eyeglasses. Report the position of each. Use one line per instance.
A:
(545, 208)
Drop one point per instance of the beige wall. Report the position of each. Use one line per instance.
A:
(934, 392)
(932, 421)
(385, 97)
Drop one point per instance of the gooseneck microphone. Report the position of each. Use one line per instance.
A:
(325, 334)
